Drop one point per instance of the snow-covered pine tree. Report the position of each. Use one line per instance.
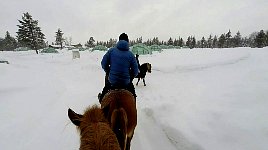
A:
(90, 43)
(111, 43)
(222, 41)
(237, 40)
(193, 42)
(181, 42)
(59, 39)
(210, 41)
(267, 38)
(9, 43)
(215, 42)
(260, 39)
(1, 44)
(203, 42)
(29, 34)
(189, 41)
(155, 41)
(170, 41)
(228, 39)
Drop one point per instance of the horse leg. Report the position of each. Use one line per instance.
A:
(138, 81)
(144, 82)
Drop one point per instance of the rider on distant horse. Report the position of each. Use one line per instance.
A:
(120, 66)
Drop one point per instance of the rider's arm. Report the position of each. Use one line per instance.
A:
(134, 66)
(105, 62)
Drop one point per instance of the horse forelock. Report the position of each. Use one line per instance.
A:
(93, 114)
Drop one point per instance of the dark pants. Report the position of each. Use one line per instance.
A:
(130, 87)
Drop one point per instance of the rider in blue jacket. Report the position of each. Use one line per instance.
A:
(120, 66)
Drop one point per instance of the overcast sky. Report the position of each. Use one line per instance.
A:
(105, 19)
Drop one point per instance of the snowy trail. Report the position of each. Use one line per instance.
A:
(194, 99)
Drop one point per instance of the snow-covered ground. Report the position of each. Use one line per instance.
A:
(199, 99)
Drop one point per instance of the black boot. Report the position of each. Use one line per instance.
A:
(105, 90)
(99, 97)
(131, 89)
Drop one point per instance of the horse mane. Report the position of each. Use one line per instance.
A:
(95, 131)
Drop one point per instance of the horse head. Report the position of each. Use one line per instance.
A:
(95, 130)
(149, 67)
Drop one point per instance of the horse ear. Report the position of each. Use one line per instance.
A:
(74, 117)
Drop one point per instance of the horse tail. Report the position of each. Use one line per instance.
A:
(119, 123)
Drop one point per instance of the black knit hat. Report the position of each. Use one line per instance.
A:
(123, 36)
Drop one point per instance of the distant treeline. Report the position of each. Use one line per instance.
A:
(29, 35)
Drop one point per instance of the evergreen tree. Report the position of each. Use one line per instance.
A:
(90, 42)
(29, 34)
(181, 42)
(138, 40)
(1, 44)
(215, 42)
(59, 39)
(132, 42)
(260, 39)
(228, 39)
(149, 42)
(221, 41)
(244, 42)
(266, 37)
(193, 43)
(170, 41)
(210, 41)
(237, 40)
(203, 42)
(9, 43)
(155, 41)
(111, 43)
(198, 44)
(188, 42)
(176, 42)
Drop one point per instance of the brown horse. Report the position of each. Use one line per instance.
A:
(95, 130)
(119, 107)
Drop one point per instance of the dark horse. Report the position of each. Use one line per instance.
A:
(119, 107)
(95, 130)
(144, 68)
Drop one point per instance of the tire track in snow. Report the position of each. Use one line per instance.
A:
(176, 139)
(191, 68)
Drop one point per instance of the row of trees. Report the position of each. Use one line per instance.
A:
(225, 40)
(256, 39)
(30, 35)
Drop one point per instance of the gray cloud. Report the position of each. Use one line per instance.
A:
(104, 19)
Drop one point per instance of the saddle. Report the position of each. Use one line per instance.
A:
(106, 100)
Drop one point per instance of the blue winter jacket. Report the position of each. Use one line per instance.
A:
(120, 63)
